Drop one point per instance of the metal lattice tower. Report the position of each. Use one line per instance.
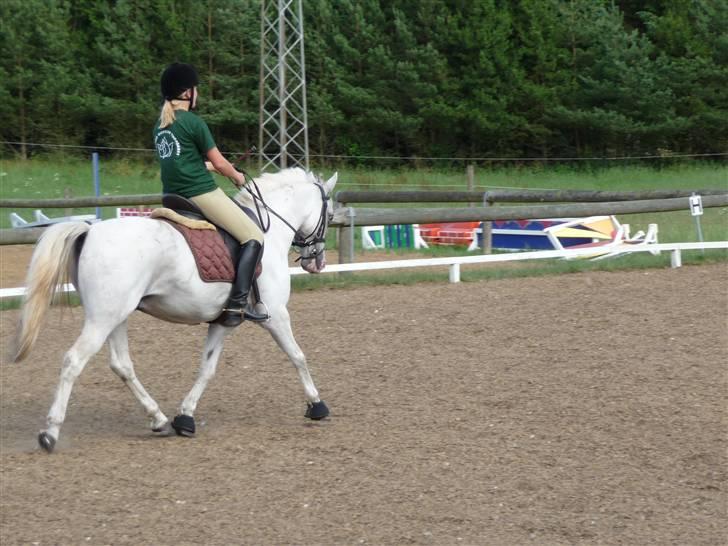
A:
(283, 136)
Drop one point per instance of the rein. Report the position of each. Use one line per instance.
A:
(299, 241)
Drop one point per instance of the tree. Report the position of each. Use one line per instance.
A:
(40, 77)
(692, 43)
(617, 98)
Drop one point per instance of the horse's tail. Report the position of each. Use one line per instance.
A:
(49, 266)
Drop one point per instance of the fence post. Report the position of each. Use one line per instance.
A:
(454, 273)
(470, 171)
(67, 195)
(675, 259)
(97, 182)
(346, 240)
(351, 234)
(487, 227)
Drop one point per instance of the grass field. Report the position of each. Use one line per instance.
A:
(50, 177)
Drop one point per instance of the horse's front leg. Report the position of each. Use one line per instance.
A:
(184, 423)
(279, 327)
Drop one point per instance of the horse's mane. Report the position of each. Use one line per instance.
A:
(282, 180)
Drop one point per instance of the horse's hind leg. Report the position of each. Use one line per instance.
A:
(88, 344)
(122, 366)
(184, 423)
(279, 327)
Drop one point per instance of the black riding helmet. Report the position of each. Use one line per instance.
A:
(177, 78)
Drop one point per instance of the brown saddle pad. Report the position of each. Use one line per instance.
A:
(211, 255)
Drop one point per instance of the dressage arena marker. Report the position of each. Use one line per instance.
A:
(454, 262)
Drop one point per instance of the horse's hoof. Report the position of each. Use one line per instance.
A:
(184, 425)
(317, 411)
(46, 442)
(160, 425)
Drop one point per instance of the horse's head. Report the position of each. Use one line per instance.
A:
(310, 239)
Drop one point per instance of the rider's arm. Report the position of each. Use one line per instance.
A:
(223, 167)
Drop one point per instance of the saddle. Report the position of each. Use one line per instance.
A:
(214, 249)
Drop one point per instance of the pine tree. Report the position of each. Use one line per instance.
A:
(692, 42)
(40, 80)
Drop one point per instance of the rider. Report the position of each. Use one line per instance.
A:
(183, 143)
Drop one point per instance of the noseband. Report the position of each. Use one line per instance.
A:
(318, 235)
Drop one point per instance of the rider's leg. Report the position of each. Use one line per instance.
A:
(222, 211)
(236, 310)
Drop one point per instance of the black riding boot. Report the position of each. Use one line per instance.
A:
(237, 309)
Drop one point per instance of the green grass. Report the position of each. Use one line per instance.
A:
(557, 177)
(65, 300)
(50, 176)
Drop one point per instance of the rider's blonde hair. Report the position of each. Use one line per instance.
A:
(167, 116)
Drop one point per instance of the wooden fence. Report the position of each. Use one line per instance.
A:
(511, 196)
(83, 202)
(347, 218)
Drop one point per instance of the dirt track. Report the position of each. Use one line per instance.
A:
(579, 409)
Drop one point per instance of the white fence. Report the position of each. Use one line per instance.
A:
(454, 262)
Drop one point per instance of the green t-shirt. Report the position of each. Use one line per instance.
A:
(182, 148)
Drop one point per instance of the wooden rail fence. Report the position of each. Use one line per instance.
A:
(511, 196)
(348, 217)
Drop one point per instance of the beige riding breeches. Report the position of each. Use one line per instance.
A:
(220, 210)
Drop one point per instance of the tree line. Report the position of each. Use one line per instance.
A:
(426, 78)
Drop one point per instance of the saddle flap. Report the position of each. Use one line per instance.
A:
(187, 208)
(212, 256)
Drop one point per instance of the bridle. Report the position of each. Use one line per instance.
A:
(318, 235)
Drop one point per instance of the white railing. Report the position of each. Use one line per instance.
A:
(454, 262)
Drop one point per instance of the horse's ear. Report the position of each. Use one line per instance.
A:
(330, 183)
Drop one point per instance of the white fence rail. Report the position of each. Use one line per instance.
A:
(454, 262)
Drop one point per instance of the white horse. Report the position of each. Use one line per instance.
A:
(121, 265)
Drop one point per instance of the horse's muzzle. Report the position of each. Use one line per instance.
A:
(314, 264)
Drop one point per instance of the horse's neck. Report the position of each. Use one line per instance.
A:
(283, 204)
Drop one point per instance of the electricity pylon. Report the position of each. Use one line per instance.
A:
(283, 135)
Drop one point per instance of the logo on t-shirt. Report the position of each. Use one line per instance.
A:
(167, 144)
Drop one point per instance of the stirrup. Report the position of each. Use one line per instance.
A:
(232, 317)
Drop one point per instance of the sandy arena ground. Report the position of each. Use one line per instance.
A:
(579, 409)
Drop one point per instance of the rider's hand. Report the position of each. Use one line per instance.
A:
(239, 179)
